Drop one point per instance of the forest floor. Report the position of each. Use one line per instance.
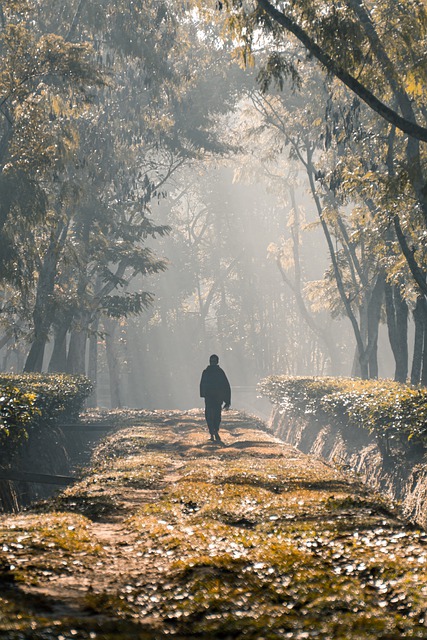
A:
(168, 534)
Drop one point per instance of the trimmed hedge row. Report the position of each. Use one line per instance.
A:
(35, 400)
(387, 409)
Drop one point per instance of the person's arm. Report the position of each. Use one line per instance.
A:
(203, 385)
(227, 393)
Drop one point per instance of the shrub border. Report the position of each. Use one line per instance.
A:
(389, 410)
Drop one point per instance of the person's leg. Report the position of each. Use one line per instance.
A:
(217, 419)
(210, 417)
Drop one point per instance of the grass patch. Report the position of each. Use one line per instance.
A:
(214, 542)
(35, 547)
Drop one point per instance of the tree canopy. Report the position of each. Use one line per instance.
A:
(126, 131)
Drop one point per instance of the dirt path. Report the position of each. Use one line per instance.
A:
(169, 534)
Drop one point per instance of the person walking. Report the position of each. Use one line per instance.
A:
(216, 390)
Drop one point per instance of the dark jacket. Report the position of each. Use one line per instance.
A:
(214, 384)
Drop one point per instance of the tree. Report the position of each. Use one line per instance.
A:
(109, 218)
(399, 76)
(351, 40)
(151, 116)
(285, 263)
(334, 34)
(38, 72)
(355, 279)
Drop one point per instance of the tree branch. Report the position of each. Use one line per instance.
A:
(73, 28)
(403, 124)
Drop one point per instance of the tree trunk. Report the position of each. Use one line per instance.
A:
(5, 362)
(34, 361)
(419, 340)
(355, 367)
(76, 360)
(92, 401)
(374, 316)
(44, 308)
(363, 327)
(402, 333)
(42, 316)
(112, 362)
(58, 359)
(397, 325)
(361, 349)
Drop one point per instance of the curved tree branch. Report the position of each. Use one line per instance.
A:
(403, 124)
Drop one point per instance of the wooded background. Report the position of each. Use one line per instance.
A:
(247, 178)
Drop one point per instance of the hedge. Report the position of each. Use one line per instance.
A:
(389, 410)
(35, 400)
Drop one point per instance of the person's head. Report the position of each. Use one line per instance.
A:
(213, 359)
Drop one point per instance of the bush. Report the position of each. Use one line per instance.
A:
(36, 400)
(390, 410)
(17, 410)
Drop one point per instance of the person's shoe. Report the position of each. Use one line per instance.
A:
(217, 437)
(212, 439)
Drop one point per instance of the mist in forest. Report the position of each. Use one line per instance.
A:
(172, 189)
(223, 293)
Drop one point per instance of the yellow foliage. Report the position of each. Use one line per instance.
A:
(414, 85)
(272, 250)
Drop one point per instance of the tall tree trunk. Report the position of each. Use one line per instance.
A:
(76, 359)
(363, 327)
(34, 361)
(110, 327)
(419, 340)
(44, 307)
(374, 316)
(402, 332)
(92, 401)
(397, 325)
(361, 349)
(58, 359)
(42, 317)
(355, 367)
(5, 363)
